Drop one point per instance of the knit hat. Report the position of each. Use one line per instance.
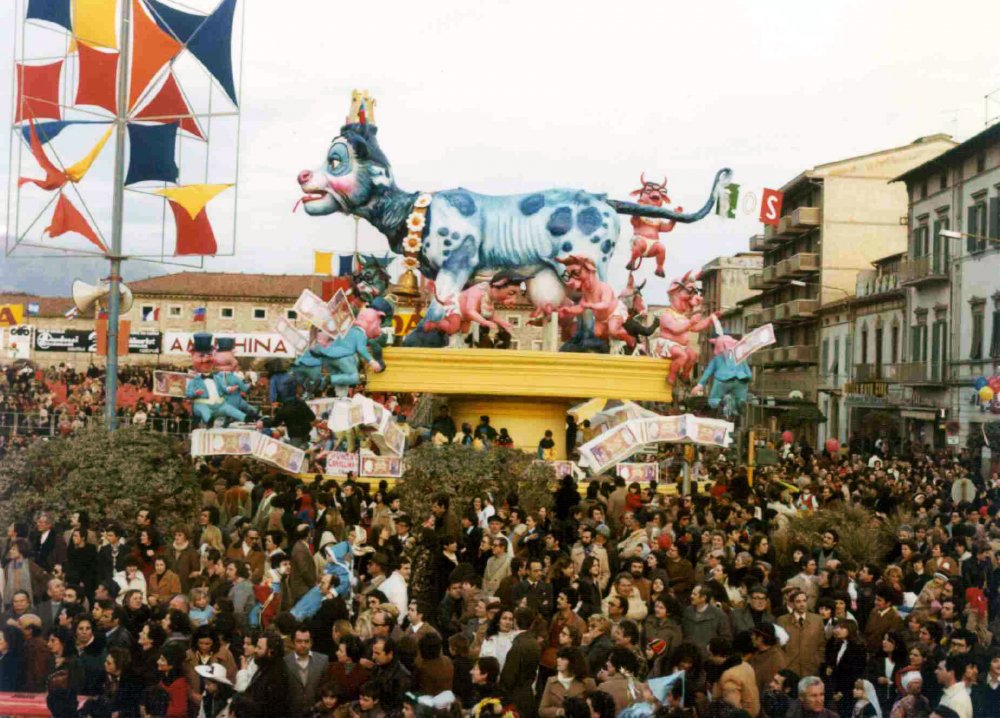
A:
(657, 646)
(664, 541)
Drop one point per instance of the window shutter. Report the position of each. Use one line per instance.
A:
(994, 231)
(970, 227)
(995, 336)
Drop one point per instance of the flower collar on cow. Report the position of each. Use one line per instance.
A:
(415, 225)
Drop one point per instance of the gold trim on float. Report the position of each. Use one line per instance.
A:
(504, 372)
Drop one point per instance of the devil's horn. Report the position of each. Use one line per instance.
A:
(642, 178)
(664, 185)
(641, 286)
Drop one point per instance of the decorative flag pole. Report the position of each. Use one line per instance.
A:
(117, 212)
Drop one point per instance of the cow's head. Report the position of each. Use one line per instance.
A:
(651, 193)
(354, 174)
(632, 296)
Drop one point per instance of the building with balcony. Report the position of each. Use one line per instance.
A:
(724, 284)
(952, 286)
(836, 219)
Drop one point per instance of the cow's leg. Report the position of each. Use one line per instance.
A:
(450, 282)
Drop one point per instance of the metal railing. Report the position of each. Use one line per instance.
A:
(34, 423)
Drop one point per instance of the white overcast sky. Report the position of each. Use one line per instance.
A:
(509, 96)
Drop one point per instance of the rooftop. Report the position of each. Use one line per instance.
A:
(47, 306)
(956, 154)
(228, 285)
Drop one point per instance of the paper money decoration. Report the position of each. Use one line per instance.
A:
(756, 340)
(333, 318)
(359, 410)
(247, 442)
(169, 383)
(296, 341)
(648, 471)
(380, 466)
(623, 440)
(338, 463)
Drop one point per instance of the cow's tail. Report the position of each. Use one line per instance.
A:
(722, 178)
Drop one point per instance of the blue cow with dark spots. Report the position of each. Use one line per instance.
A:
(466, 236)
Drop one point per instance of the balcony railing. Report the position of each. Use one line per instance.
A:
(798, 221)
(752, 319)
(803, 354)
(924, 269)
(921, 373)
(758, 243)
(874, 285)
(796, 310)
(877, 372)
(797, 265)
(756, 281)
(781, 384)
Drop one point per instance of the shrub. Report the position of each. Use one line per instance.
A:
(863, 536)
(109, 475)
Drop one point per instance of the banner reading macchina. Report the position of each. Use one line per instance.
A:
(85, 341)
(249, 344)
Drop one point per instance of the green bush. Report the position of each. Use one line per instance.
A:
(109, 475)
(463, 473)
(863, 536)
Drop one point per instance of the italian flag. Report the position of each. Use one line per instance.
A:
(725, 205)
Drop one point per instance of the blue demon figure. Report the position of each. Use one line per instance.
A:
(371, 279)
(731, 379)
(455, 235)
(207, 396)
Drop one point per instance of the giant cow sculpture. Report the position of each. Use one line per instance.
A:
(456, 236)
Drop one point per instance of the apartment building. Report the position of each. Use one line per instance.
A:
(952, 278)
(725, 282)
(836, 219)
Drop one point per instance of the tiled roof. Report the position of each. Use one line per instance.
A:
(228, 284)
(47, 306)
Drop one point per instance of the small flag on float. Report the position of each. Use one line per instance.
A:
(199, 314)
(725, 205)
(150, 314)
(322, 262)
(345, 265)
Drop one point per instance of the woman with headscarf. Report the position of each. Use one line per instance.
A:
(912, 704)
(865, 701)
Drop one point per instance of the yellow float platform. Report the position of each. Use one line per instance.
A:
(525, 392)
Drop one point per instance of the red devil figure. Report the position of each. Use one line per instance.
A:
(646, 240)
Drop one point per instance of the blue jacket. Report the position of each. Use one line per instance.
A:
(723, 368)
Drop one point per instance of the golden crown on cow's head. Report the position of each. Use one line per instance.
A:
(362, 109)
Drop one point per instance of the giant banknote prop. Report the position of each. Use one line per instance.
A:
(456, 236)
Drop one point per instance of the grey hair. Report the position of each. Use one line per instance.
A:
(808, 682)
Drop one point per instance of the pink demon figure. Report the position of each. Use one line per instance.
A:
(610, 312)
(646, 240)
(477, 304)
(677, 321)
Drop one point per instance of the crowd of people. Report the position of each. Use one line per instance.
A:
(326, 598)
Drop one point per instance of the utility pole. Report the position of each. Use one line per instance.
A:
(117, 212)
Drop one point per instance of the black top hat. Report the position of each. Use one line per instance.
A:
(202, 342)
(225, 344)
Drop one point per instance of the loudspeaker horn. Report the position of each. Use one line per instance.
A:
(86, 295)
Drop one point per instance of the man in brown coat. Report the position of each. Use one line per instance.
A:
(303, 576)
(616, 502)
(769, 658)
(806, 639)
(247, 548)
(183, 558)
(882, 620)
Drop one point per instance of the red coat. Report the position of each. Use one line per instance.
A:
(178, 691)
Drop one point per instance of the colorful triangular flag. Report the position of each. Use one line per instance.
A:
(193, 197)
(194, 235)
(54, 11)
(98, 78)
(151, 153)
(169, 105)
(152, 49)
(212, 44)
(38, 91)
(67, 218)
(94, 22)
(182, 25)
(78, 170)
(54, 177)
